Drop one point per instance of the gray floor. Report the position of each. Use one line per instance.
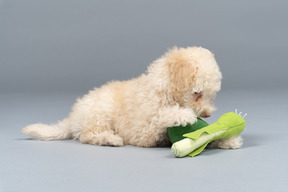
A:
(29, 165)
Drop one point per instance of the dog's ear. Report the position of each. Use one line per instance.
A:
(181, 72)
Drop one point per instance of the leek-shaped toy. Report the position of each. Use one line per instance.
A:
(193, 143)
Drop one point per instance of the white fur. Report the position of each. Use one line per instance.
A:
(177, 88)
(231, 143)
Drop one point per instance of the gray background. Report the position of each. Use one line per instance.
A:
(52, 52)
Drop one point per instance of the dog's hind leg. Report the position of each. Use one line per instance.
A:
(98, 132)
(101, 138)
(231, 143)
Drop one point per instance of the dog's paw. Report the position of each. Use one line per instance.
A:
(104, 138)
(184, 117)
(114, 141)
(232, 143)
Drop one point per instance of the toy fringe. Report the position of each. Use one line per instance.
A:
(236, 111)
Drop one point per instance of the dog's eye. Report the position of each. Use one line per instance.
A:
(197, 95)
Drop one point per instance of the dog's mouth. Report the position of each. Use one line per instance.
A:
(198, 112)
(205, 114)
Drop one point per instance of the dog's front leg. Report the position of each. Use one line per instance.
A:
(175, 116)
(155, 133)
(170, 117)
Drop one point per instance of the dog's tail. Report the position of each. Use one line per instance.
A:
(49, 132)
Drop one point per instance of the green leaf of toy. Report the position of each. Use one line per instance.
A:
(176, 133)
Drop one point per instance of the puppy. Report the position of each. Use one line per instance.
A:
(176, 89)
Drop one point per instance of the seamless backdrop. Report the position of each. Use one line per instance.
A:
(71, 45)
(53, 51)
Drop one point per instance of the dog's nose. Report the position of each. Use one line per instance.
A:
(206, 114)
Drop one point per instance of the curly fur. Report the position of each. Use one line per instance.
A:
(177, 88)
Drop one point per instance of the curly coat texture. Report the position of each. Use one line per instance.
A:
(176, 89)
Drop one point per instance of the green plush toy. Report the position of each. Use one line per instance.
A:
(192, 139)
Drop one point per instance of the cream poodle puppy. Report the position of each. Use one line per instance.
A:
(177, 88)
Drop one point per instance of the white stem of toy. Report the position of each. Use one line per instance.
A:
(186, 146)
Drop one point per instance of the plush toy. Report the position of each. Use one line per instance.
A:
(192, 139)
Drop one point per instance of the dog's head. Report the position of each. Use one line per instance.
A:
(193, 76)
